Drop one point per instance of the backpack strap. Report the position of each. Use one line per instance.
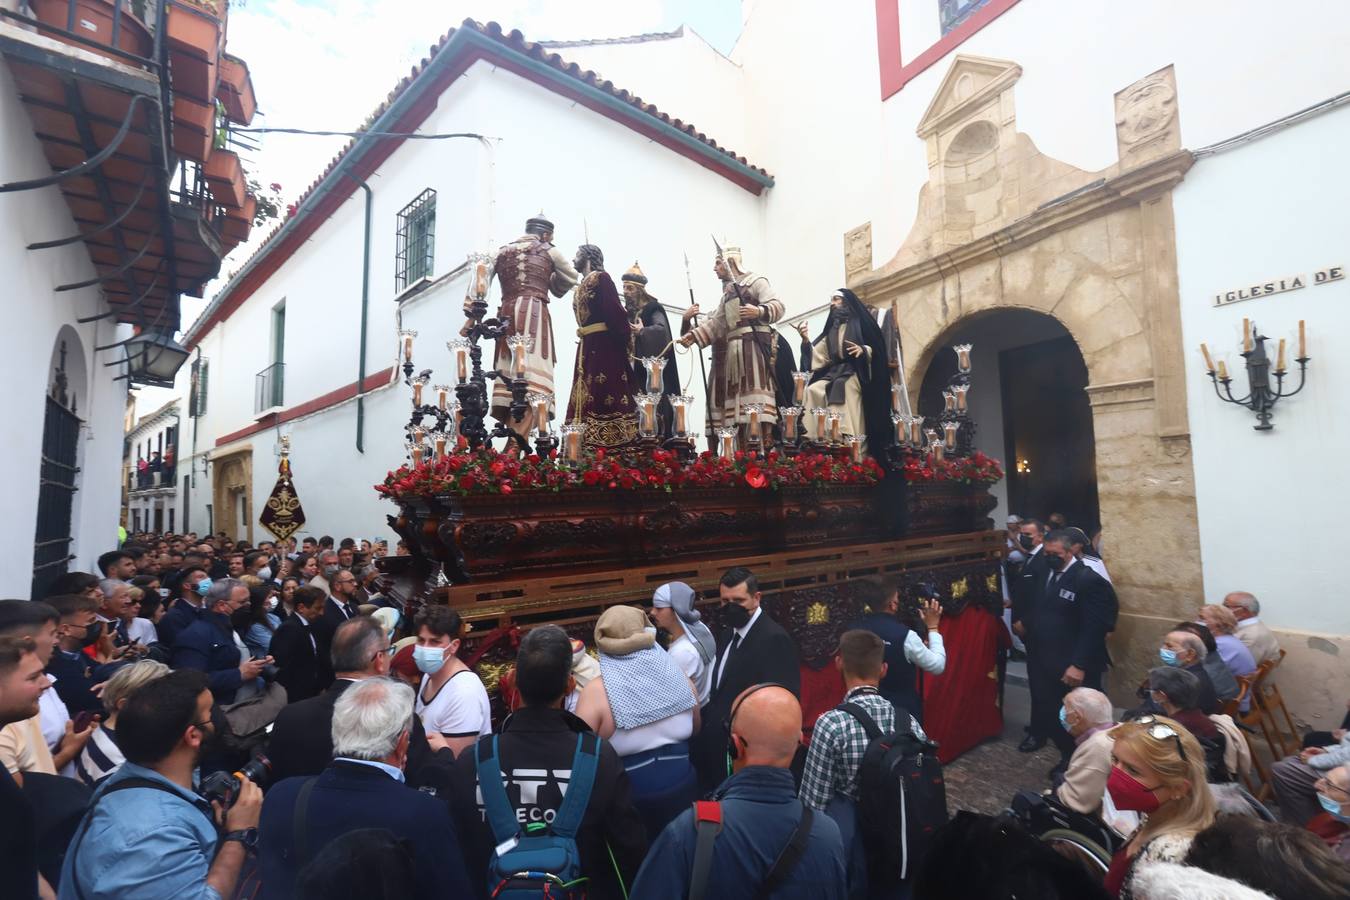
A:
(300, 823)
(791, 855)
(708, 824)
(868, 723)
(125, 784)
(573, 809)
(496, 807)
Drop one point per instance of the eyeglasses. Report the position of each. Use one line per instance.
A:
(1161, 731)
(1326, 783)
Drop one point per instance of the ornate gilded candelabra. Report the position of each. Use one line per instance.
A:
(958, 428)
(472, 389)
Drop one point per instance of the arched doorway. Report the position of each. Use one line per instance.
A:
(1029, 401)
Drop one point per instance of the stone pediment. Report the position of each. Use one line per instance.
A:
(971, 83)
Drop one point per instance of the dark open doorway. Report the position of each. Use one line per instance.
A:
(1028, 401)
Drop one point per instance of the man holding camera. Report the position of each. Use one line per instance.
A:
(147, 833)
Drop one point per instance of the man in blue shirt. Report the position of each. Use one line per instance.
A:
(147, 834)
(760, 813)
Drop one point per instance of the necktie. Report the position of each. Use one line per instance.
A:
(735, 642)
(122, 637)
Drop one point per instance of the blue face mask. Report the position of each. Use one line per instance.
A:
(1332, 807)
(1168, 656)
(429, 659)
(1064, 718)
(203, 586)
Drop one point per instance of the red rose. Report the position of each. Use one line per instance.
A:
(755, 478)
(599, 452)
(466, 482)
(591, 477)
(506, 487)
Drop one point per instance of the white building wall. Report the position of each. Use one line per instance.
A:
(639, 201)
(1271, 504)
(685, 77)
(39, 318)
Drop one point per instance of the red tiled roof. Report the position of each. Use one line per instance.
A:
(513, 40)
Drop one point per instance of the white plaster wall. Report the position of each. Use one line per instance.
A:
(1271, 504)
(638, 199)
(685, 77)
(35, 317)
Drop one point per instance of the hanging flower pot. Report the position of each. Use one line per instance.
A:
(225, 177)
(236, 90)
(94, 21)
(193, 128)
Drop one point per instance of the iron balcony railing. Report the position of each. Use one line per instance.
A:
(269, 389)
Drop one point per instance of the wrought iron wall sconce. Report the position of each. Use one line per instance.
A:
(1261, 398)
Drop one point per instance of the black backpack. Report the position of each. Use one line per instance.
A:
(902, 798)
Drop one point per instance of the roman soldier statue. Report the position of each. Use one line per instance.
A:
(849, 367)
(602, 392)
(651, 337)
(744, 343)
(529, 268)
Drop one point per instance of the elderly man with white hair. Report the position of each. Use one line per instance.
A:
(1184, 650)
(1087, 716)
(362, 788)
(1250, 629)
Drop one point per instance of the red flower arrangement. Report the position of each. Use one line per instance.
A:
(976, 469)
(493, 472)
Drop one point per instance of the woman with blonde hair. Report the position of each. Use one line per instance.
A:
(1158, 771)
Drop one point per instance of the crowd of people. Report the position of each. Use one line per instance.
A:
(203, 718)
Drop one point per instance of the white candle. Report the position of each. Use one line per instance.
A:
(799, 380)
(440, 445)
(541, 413)
(648, 415)
(834, 429)
(678, 406)
(417, 393)
(441, 393)
(1279, 362)
(1302, 341)
(819, 413)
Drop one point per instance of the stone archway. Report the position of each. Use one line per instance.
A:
(1001, 226)
(232, 488)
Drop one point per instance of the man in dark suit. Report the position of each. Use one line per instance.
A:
(341, 606)
(752, 649)
(363, 787)
(1024, 589)
(210, 645)
(188, 608)
(1075, 609)
(301, 653)
(302, 738)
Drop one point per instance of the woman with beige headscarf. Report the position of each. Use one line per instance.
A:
(648, 710)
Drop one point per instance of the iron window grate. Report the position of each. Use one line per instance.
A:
(414, 255)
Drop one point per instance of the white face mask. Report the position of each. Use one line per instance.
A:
(271, 603)
(265, 573)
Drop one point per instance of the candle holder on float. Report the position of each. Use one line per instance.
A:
(792, 424)
(545, 442)
(426, 417)
(681, 440)
(1260, 399)
(472, 381)
(648, 404)
(821, 442)
(854, 443)
(956, 407)
(726, 442)
(573, 450)
(835, 423)
(753, 413)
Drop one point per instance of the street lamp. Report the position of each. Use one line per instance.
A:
(154, 358)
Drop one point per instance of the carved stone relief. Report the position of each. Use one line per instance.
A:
(1146, 119)
(857, 250)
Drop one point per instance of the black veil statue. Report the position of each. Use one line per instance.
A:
(833, 366)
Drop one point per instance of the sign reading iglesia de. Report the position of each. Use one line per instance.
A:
(1280, 285)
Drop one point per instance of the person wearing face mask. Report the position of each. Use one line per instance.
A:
(1158, 771)
(1333, 795)
(1086, 716)
(259, 565)
(327, 566)
(752, 649)
(647, 708)
(1066, 640)
(212, 646)
(258, 622)
(364, 786)
(147, 833)
(1022, 596)
(188, 608)
(451, 699)
(77, 628)
(1183, 650)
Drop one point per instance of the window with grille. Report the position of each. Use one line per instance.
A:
(415, 250)
(197, 394)
(954, 12)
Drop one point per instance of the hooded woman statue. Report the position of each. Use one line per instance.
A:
(850, 375)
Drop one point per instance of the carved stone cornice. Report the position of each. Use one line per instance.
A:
(1089, 202)
(1137, 391)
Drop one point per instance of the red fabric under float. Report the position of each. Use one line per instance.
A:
(960, 706)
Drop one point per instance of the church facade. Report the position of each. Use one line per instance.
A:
(1084, 195)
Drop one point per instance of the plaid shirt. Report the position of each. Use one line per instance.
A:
(838, 742)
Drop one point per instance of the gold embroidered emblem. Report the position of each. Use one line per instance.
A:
(960, 588)
(817, 614)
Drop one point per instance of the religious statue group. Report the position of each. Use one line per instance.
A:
(852, 362)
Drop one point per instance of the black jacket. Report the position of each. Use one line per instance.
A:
(175, 619)
(332, 613)
(303, 669)
(1071, 620)
(302, 739)
(768, 654)
(1023, 588)
(536, 748)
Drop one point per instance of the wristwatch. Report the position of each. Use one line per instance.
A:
(247, 837)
